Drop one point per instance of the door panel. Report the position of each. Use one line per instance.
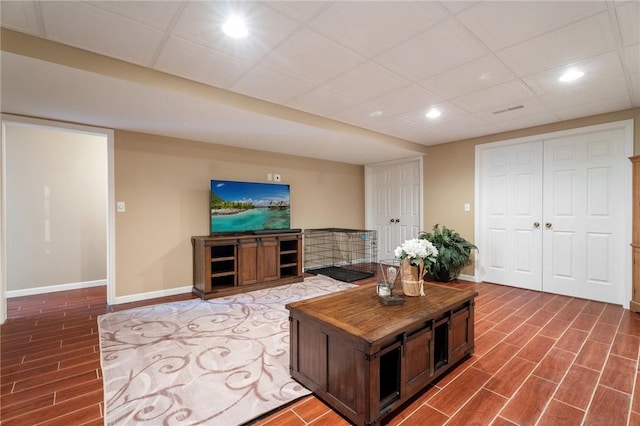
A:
(585, 242)
(511, 205)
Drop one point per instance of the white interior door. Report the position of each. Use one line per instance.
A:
(393, 203)
(584, 223)
(511, 241)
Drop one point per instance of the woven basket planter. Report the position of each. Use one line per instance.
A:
(411, 277)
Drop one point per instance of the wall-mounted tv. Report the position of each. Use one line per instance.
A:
(243, 207)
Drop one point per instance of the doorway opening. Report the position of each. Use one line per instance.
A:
(57, 204)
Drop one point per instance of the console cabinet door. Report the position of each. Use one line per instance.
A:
(248, 262)
(268, 256)
(417, 362)
(461, 330)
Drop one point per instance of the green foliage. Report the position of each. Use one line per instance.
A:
(453, 253)
(219, 203)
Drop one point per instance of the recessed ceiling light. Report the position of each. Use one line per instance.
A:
(235, 28)
(571, 75)
(375, 113)
(433, 113)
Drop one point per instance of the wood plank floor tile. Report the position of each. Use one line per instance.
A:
(560, 414)
(626, 346)
(577, 387)
(554, 365)
(592, 355)
(529, 402)
(511, 377)
(619, 374)
(536, 348)
(572, 340)
(481, 409)
(458, 392)
(609, 407)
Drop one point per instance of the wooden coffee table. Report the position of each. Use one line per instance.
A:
(365, 359)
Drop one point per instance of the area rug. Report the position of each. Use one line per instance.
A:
(217, 362)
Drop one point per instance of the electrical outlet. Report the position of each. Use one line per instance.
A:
(269, 176)
(276, 178)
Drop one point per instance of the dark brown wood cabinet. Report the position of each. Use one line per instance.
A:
(634, 305)
(233, 264)
(366, 359)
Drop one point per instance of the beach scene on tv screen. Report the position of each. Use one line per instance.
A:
(248, 206)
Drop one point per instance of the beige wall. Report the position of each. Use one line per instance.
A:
(56, 207)
(449, 172)
(165, 182)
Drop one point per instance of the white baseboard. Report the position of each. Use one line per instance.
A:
(151, 295)
(53, 288)
(463, 277)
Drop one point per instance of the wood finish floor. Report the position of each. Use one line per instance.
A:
(540, 359)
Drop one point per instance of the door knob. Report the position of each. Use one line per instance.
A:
(397, 220)
(548, 225)
(391, 220)
(536, 224)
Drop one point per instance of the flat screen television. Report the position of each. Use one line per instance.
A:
(244, 207)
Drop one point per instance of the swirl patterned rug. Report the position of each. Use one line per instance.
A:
(217, 362)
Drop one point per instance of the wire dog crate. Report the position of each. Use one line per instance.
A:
(343, 254)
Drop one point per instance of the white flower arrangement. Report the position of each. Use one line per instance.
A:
(417, 250)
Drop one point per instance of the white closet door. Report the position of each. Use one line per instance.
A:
(511, 215)
(584, 216)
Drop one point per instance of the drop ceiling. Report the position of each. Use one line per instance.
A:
(342, 81)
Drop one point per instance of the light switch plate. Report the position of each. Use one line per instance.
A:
(120, 207)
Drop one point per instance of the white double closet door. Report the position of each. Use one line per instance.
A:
(393, 203)
(552, 215)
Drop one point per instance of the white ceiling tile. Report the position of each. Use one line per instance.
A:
(530, 120)
(367, 81)
(503, 23)
(439, 49)
(468, 78)
(449, 126)
(154, 13)
(628, 15)
(632, 54)
(357, 24)
(596, 68)
(458, 6)
(311, 57)
(301, 11)
(201, 21)
(396, 126)
(408, 98)
(195, 62)
(496, 97)
(600, 91)
(321, 101)
(530, 107)
(572, 43)
(449, 112)
(592, 108)
(20, 16)
(265, 84)
(635, 87)
(363, 115)
(87, 27)
(467, 132)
